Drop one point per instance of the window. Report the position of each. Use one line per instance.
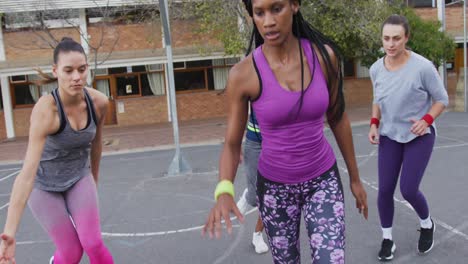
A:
(117, 70)
(19, 78)
(179, 65)
(25, 92)
(101, 72)
(189, 76)
(33, 19)
(198, 75)
(140, 68)
(128, 14)
(140, 81)
(200, 63)
(1, 99)
(189, 80)
(231, 61)
(349, 68)
(450, 65)
(128, 85)
(419, 3)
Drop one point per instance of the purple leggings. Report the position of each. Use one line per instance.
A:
(410, 159)
(53, 211)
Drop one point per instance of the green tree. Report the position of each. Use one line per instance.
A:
(426, 38)
(224, 19)
(355, 25)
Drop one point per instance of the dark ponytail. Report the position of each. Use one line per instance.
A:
(67, 45)
(302, 29)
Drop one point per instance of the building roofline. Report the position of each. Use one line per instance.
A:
(112, 63)
(14, 6)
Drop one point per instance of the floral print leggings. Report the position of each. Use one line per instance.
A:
(320, 200)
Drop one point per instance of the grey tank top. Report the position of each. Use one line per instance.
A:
(66, 156)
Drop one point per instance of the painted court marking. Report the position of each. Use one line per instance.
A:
(10, 169)
(405, 203)
(4, 206)
(162, 233)
(9, 175)
(452, 230)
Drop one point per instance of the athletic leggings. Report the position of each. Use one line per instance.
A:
(321, 202)
(53, 211)
(411, 159)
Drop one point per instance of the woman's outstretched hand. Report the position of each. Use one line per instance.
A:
(361, 198)
(7, 249)
(222, 210)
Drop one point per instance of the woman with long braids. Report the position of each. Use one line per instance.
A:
(61, 167)
(292, 79)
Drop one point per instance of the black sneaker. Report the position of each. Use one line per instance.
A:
(387, 249)
(426, 239)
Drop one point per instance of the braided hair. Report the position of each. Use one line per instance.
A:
(302, 29)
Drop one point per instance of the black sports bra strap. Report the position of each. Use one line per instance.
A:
(61, 113)
(89, 100)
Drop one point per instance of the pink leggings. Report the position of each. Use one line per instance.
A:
(53, 211)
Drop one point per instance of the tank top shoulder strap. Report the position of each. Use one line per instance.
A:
(308, 51)
(312, 59)
(262, 66)
(90, 104)
(61, 113)
(259, 80)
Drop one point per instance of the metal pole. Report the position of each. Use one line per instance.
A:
(464, 53)
(179, 164)
(441, 17)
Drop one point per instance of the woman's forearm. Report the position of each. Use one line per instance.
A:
(344, 138)
(96, 153)
(436, 109)
(19, 196)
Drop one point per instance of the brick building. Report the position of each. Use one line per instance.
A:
(427, 9)
(131, 60)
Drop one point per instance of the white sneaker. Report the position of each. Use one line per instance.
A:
(51, 261)
(260, 245)
(242, 204)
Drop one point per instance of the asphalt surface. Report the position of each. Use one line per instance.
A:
(149, 217)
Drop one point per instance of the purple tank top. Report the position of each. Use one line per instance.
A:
(294, 147)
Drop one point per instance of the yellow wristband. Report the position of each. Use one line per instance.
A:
(224, 186)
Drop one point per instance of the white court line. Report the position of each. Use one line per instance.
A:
(230, 249)
(32, 242)
(374, 153)
(162, 233)
(405, 203)
(451, 146)
(449, 138)
(10, 169)
(9, 175)
(407, 258)
(4, 206)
